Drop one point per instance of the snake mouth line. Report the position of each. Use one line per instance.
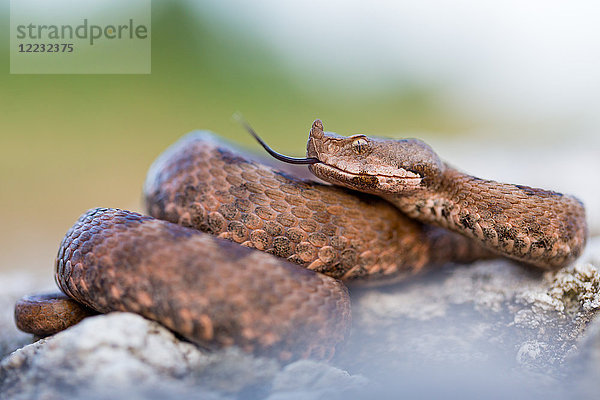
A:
(374, 184)
(417, 178)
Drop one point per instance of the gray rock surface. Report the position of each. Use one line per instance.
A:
(493, 325)
(585, 363)
(493, 329)
(122, 355)
(496, 322)
(539, 315)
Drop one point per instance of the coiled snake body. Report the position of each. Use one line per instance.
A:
(217, 293)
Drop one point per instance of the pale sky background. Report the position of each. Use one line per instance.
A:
(512, 62)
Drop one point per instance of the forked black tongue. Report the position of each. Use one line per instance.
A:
(273, 153)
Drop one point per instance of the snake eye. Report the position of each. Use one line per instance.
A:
(360, 145)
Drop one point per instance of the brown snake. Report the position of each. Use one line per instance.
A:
(216, 293)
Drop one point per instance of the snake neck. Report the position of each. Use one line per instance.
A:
(536, 226)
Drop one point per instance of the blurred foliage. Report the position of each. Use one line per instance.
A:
(72, 142)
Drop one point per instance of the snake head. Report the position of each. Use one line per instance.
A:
(372, 165)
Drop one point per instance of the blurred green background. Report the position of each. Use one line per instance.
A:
(72, 142)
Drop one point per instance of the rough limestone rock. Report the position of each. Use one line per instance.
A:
(495, 322)
(492, 325)
(122, 355)
(585, 363)
(540, 315)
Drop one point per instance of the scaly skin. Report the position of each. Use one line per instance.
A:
(115, 260)
(536, 226)
(47, 314)
(200, 182)
(217, 293)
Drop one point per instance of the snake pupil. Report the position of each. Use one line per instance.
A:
(360, 146)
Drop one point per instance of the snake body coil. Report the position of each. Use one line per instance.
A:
(217, 293)
(536, 226)
(115, 260)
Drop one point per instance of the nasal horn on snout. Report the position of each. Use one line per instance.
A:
(316, 131)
